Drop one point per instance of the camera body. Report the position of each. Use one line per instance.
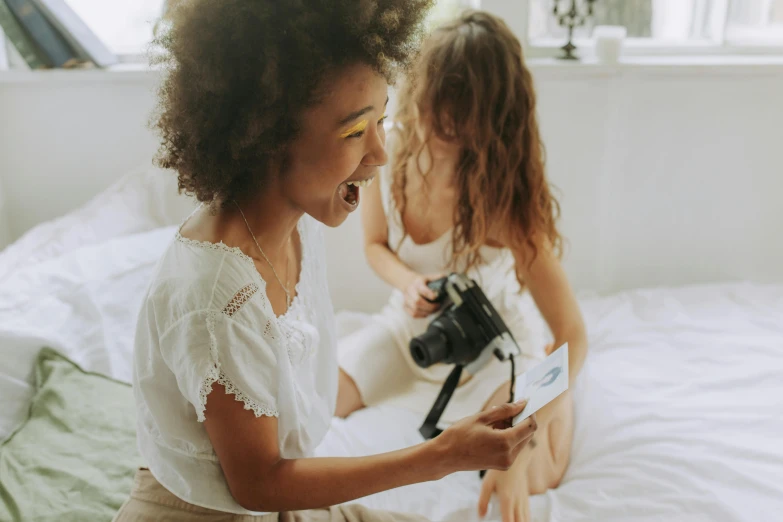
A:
(468, 331)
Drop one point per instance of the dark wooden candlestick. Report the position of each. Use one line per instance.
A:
(571, 17)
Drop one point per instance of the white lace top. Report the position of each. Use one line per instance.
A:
(206, 319)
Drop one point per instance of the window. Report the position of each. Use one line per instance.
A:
(700, 25)
(445, 10)
(755, 22)
(124, 26)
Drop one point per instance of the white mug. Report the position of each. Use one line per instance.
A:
(608, 40)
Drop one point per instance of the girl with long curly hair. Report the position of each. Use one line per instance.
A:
(466, 191)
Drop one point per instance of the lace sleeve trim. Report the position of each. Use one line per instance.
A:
(216, 375)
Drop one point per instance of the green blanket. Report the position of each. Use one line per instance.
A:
(75, 456)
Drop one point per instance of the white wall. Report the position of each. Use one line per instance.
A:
(668, 174)
(66, 135)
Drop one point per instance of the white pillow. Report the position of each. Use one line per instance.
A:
(142, 200)
(84, 303)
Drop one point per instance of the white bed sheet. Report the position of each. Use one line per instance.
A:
(679, 415)
(679, 409)
(83, 303)
(141, 200)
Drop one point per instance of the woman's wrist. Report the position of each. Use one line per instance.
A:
(406, 280)
(388, 267)
(436, 459)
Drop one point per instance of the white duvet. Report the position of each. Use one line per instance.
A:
(679, 409)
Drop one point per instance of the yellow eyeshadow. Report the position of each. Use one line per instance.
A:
(359, 127)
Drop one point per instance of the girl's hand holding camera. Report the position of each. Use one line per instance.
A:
(419, 297)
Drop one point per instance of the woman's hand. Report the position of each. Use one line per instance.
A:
(416, 295)
(511, 489)
(486, 440)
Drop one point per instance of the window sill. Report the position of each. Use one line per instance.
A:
(121, 73)
(686, 66)
(660, 66)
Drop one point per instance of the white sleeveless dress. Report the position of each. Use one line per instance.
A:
(377, 356)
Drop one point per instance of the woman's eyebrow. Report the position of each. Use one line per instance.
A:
(358, 114)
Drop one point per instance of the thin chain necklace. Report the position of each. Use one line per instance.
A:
(285, 286)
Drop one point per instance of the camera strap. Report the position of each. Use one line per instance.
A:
(429, 429)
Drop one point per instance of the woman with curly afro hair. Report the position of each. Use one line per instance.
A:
(271, 114)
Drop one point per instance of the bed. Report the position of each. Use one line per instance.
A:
(679, 408)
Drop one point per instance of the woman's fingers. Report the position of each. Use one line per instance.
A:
(426, 306)
(424, 290)
(524, 509)
(522, 432)
(503, 412)
(487, 488)
(416, 311)
(507, 507)
(417, 306)
(419, 299)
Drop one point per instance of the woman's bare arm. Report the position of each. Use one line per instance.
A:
(551, 291)
(387, 264)
(379, 255)
(261, 480)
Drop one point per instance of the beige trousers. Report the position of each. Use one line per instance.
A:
(150, 502)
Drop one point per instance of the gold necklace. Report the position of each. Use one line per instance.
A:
(285, 286)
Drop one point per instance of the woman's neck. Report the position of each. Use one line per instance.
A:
(438, 165)
(271, 221)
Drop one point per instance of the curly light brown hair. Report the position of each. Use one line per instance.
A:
(471, 85)
(240, 73)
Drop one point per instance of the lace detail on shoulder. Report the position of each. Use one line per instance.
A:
(285, 329)
(206, 245)
(240, 298)
(215, 374)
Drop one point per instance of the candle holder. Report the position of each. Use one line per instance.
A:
(571, 17)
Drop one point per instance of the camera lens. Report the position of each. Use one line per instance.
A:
(430, 347)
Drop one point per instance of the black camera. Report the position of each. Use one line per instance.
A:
(468, 333)
(466, 328)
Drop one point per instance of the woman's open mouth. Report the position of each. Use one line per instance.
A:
(349, 191)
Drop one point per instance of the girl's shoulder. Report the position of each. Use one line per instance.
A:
(198, 276)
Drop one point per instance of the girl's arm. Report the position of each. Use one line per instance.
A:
(379, 255)
(385, 263)
(551, 291)
(261, 480)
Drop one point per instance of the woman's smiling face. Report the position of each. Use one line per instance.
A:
(340, 146)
